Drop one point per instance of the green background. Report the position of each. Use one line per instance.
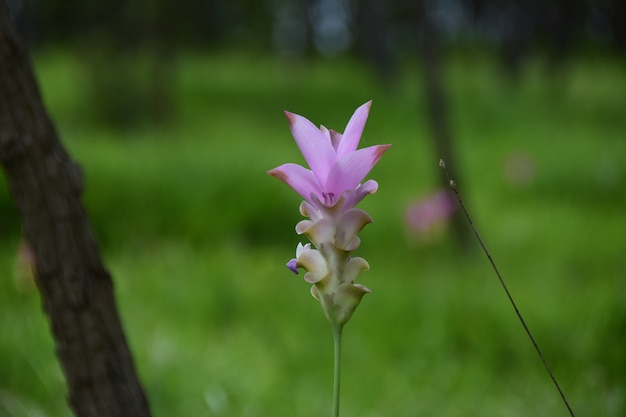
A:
(196, 236)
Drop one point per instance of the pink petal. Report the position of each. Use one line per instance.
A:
(299, 178)
(350, 170)
(352, 198)
(354, 130)
(335, 138)
(314, 144)
(326, 133)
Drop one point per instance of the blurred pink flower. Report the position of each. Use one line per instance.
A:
(426, 213)
(337, 167)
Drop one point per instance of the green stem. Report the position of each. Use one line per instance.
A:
(337, 328)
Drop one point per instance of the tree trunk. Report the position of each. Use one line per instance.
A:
(438, 113)
(76, 289)
(373, 43)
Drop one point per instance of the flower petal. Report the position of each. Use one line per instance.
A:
(350, 223)
(299, 178)
(322, 231)
(352, 198)
(316, 293)
(354, 130)
(335, 138)
(292, 265)
(353, 268)
(315, 264)
(303, 226)
(326, 133)
(352, 245)
(350, 170)
(346, 299)
(301, 248)
(309, 210)
(314, 144)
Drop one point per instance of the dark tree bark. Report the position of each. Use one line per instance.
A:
(76, 289)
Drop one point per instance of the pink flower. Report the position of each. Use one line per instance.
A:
(337, 167)
(424, 214)
(331, 189)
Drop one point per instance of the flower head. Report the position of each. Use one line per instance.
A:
(337, 167)
(331, 188)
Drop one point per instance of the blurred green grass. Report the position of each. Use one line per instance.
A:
(196, 236)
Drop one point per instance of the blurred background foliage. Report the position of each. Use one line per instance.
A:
(174, 110)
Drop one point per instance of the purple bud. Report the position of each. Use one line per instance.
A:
(292, 265)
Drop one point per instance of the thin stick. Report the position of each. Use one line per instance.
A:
(337, 330)
(442, 164)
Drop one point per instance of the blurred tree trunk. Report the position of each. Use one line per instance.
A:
(372, 37)
(160, 39)
(618, 17)
(437, 107)
(76, 289)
